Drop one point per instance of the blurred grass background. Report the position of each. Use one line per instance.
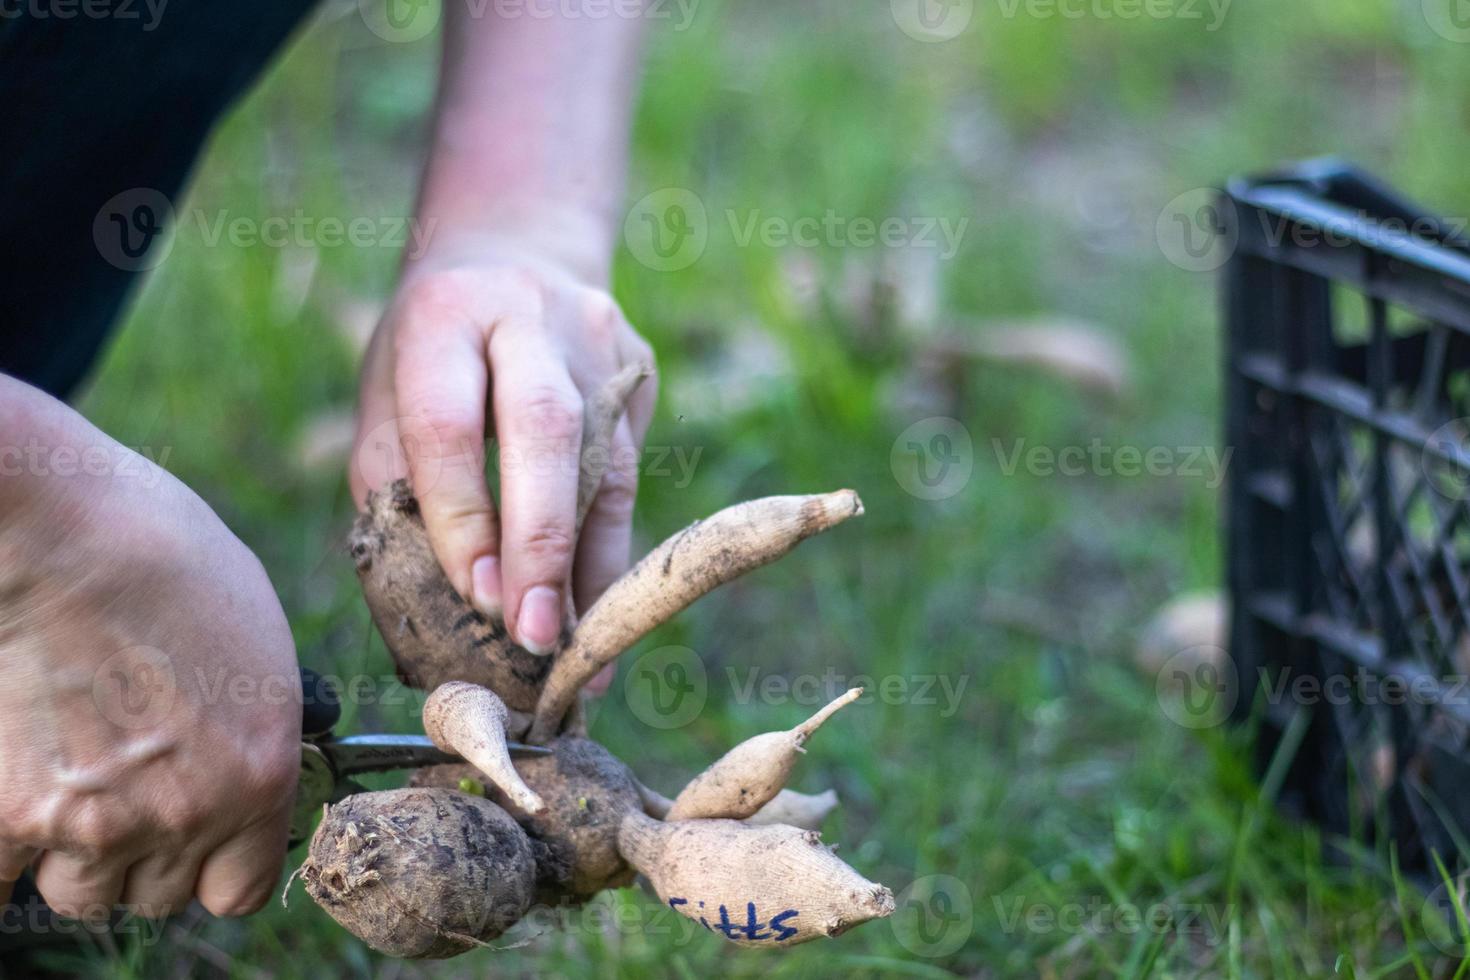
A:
(1057, 783)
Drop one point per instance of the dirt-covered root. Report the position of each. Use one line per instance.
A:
(788, 807)
(698, 559)
(469, 721)
(750, 775)
(433, 633)
(586, 791)
(421, 873)
(600, 418)
(756, 886)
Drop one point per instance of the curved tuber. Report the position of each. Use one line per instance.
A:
(751, 774)
(796, 810)
(470, 722)
(699, 558)
(788, 807)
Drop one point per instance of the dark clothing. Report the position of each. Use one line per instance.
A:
(103, 107)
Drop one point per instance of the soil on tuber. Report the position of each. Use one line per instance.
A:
(421, 873)
(435, 636)
(587, 791)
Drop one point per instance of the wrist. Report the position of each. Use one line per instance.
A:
(64, 484)
(572, 239)
(35, 426)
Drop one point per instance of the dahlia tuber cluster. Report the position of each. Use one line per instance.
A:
(463, 853)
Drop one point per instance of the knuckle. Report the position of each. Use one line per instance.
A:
(520, 278)
(518, 289)
(550, 414)
(235, 904)
(451, 515)
(180, 815)
(271, 779)
(434, 420)
(94, 830)
(617, 495)
(549, 545)
(428, 298)
(434, 432)
(604, 317)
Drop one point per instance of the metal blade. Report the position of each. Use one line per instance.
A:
(380, 753)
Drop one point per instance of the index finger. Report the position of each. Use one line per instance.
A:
(538, 419)
(441, 382)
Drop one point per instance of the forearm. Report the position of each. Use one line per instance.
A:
(63, 480)
(531, 132)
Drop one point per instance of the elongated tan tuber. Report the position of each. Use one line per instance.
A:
(470, 721)
(751, 774)
(756, 886)
(788, 807)
(421, 873)
(699, 558)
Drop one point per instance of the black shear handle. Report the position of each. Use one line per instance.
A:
(321, 708)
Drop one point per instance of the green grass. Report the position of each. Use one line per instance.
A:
(1057, 792)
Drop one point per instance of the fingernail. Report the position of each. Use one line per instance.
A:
(485, 586)
(539, 623)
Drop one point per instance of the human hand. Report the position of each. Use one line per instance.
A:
(152, 711)
(493, 337)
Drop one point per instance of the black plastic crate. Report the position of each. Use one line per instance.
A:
(1348, 511)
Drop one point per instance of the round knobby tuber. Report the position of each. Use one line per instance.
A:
(751, 774)
(421, 873)
(586, 791)
(756, 886)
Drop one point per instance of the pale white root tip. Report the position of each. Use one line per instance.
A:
(805, 729)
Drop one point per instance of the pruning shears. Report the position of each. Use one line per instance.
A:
(328, 762)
